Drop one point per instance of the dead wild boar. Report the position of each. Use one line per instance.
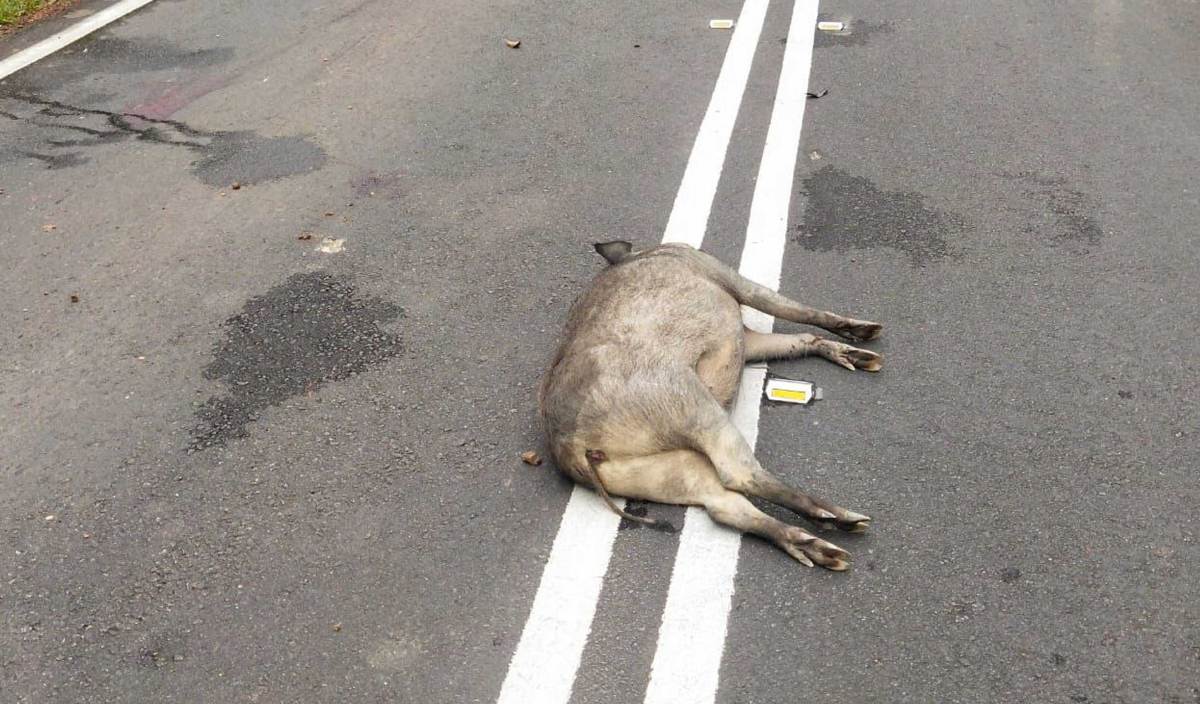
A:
(636, 400)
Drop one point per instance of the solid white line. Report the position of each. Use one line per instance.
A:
(75, 32)
(691, 640)
(543, 668)
(766, 232)
(693, 202)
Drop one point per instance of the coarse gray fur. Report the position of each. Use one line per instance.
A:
(636, 400)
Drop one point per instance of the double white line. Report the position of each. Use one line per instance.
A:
(692, 636)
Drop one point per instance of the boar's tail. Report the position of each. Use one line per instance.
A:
(595, 457)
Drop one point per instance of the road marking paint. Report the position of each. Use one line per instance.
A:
(691, 640)
(693, 202)
(74, 33)
(766, 232)
(547, 658)
(543, 668)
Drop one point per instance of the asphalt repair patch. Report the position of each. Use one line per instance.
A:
(306, 332)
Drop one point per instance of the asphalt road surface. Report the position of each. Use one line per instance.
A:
(237, 468)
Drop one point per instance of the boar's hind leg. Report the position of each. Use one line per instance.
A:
(764, 346)
(772, 302)
(715, 435)
(687, 477)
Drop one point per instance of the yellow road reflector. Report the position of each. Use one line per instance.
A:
(720, 24)
(791, 390)
(831, 26)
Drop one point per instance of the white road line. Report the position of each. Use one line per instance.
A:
(691, 640)
(75, 32)
(543, 668)
(693, 202)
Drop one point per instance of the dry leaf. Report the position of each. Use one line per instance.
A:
(513, 43)
(305, 236)
(74, 298)
(531, 457)
(49, 227)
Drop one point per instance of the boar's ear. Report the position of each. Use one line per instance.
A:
(614, 252)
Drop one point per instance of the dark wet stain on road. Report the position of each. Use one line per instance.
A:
(845, 212)
(61, 134)
(117, 55)
(308, 331)
(55, 161)
(856, 33)
(636, 507)
(1063, 214)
